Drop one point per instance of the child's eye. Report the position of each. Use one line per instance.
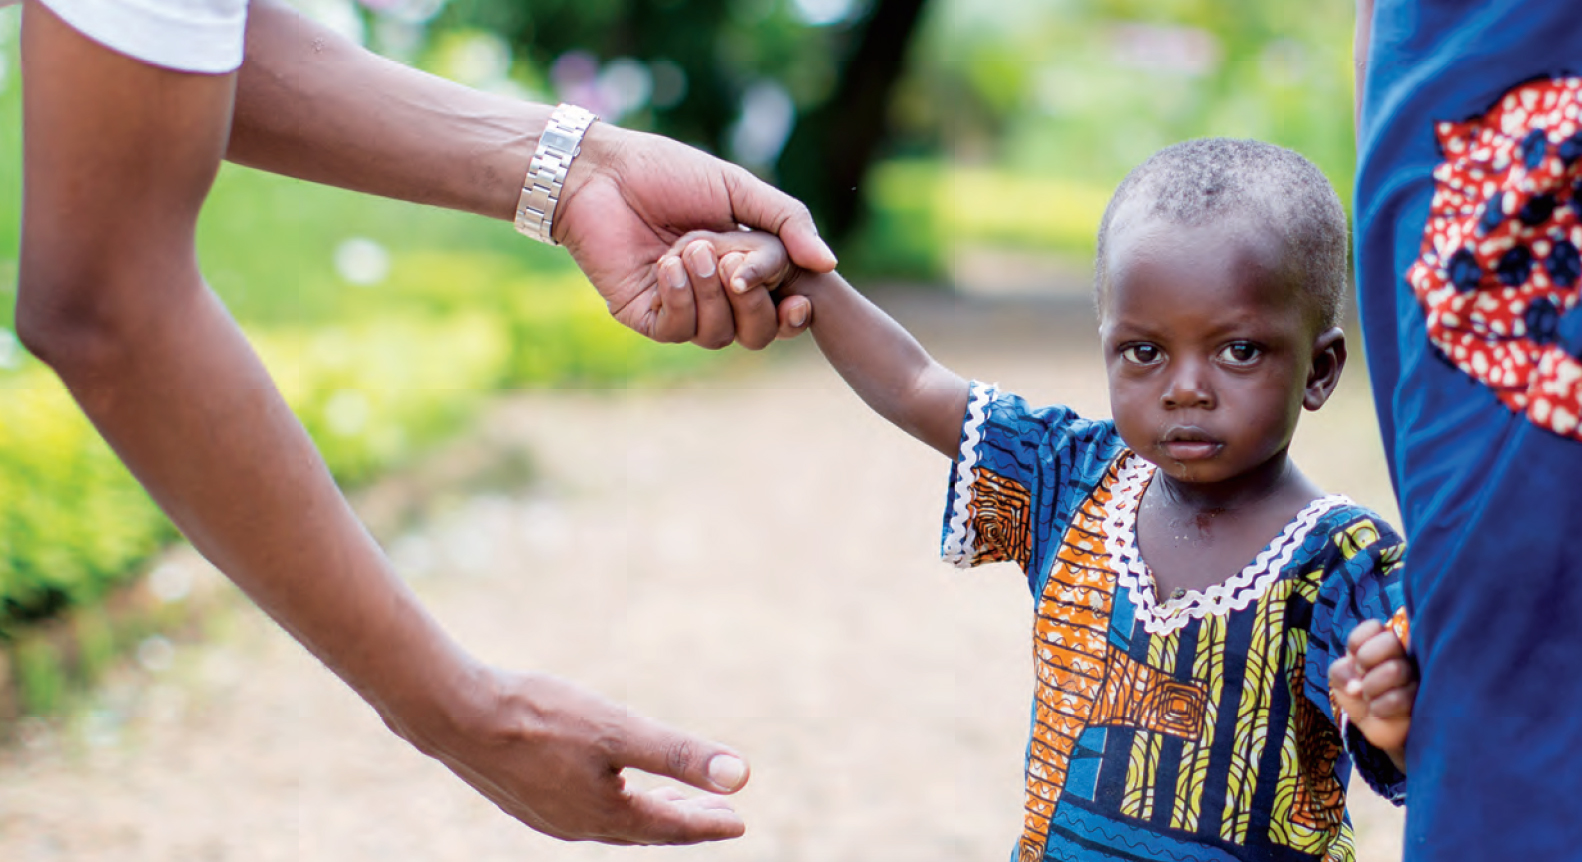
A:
(1142, 354)
(1240, 353)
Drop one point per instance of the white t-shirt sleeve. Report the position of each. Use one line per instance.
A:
(185, 35)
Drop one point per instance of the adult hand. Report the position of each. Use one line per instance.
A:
(737, 262)
(631, 195)
(552, 755)
(312, 105)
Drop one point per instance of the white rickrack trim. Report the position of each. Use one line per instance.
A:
(961, 543)
(1235, 594)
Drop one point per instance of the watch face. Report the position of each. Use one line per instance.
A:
(555, 139)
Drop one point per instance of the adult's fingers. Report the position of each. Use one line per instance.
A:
(716, 320)
(677, 320)
(662, 750)
(760, 205)
(665, 817)
(553, 756)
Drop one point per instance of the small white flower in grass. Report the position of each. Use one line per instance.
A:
(767, 116)
(468, 547)
(170, 582)
(624, 85)
(822, 13)
(544, 527)
(340, 16)
(414, 556)
(478, 59)
(346, 412)
(156, 654)
(362, 262)
(101, 728)
(11, 352)
(669, 83)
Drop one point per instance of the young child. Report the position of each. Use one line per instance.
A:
(1192, 586)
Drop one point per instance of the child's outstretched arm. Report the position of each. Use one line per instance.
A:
(881, 361)
(1375, 684)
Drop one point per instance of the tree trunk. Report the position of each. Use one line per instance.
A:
(833, 146)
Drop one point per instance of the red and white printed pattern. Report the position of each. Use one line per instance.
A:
(1499, 267)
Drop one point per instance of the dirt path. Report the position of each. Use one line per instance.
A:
(754, 558)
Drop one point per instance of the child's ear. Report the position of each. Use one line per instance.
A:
(1323, 375)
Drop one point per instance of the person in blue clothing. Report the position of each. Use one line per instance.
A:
(1468, 212)
(1206, 616)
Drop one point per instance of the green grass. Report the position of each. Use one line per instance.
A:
(922, 209)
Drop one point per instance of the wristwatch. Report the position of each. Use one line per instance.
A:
(546, 173)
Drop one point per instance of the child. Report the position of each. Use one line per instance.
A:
(1181, 708)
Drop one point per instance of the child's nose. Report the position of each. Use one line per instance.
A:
(1188, 389)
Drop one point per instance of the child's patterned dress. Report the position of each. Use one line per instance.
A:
(1197, 727)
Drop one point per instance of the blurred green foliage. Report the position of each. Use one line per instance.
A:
(1089, 88)
(1072, 92)
(1066, 96)
(1010, 125)
(385, 326)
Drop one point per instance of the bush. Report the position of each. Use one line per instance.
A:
(372, 391)
(71, 517)
(922, 210)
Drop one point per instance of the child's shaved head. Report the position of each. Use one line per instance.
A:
(1243, 182)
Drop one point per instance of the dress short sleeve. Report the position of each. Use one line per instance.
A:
(1362, 581)
(202, 36)
(1018, 476)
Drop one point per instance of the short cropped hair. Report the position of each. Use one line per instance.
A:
(1209, 179)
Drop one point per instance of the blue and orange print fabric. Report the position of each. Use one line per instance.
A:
(1194, 728)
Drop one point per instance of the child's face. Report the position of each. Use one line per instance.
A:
(1212, 347)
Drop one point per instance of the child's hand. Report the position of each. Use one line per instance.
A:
(1375, 683)
(737, 262)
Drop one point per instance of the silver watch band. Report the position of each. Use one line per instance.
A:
(546, 173)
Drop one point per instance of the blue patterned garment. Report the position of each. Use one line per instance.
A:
(1193, 728)
(1469, 222)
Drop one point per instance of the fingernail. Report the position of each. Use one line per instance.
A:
(1354, 688)
(701, 260)
(739, 285)
(799, 315)
(674, 273)
(727, 772)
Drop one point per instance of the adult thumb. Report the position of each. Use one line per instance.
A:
(654, 747)
(757, 204)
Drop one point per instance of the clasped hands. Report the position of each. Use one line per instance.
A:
(630, 196)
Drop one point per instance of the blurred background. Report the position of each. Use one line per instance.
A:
(957, 154)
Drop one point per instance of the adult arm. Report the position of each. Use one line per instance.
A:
(312, 105)
(118, 157)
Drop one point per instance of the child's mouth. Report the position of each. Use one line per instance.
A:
(1189, 444)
